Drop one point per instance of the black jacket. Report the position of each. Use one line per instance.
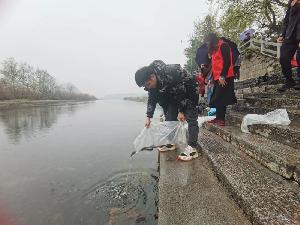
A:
(175, 86)
(291, 22)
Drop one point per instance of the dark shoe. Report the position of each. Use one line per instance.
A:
(288, 84)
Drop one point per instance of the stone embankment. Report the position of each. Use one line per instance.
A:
(259, 173)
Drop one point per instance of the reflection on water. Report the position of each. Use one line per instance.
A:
(26, 122)
(69, 164)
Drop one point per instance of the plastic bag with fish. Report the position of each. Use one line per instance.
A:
(168, 132)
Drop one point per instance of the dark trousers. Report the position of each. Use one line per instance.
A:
(191, 116)
(220, 113)
(287, 52)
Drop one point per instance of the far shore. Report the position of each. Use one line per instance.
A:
(137, 99)
(20, 103)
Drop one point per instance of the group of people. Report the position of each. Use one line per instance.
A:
(177, 91)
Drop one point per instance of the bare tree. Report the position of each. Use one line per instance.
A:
(21, 80)
(10, 73)
(46, 83)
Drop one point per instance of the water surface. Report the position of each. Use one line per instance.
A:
(69, 164)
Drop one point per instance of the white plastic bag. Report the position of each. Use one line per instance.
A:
(276, 117)
(169, 132)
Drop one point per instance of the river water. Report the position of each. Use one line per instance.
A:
(69, 165)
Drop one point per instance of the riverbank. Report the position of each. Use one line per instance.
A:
(21, 103)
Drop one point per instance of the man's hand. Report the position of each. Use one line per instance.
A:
(280, 39)
(181, 117)
(147, 122)
(222, 82)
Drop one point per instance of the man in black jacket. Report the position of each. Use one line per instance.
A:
(290, 37)
(177, 93)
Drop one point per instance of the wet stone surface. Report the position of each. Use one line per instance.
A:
(126, 198)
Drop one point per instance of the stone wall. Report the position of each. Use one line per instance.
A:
(255, 64)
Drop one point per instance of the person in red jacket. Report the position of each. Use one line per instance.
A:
(223, 74)
(201, 81)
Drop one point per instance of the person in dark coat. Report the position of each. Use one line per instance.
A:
(223, 74)
(177, 93)
(203, 60)
(290, 37)
(236, 59)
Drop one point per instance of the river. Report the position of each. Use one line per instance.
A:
(69, 165)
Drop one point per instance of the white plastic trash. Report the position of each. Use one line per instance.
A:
(276, 117)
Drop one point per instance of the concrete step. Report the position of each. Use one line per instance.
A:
(287, 135)
(190, 193)
(264, 196)
(279, 158)
(291, 103)
(241, 107)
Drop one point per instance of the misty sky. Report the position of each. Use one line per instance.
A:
(97, 45)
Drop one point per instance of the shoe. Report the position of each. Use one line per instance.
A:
(188, 154)
(288, 84)
(221, 123)
(168, 147)
(214, 121)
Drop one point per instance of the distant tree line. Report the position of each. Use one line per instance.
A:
(23, 81)
(231, 17)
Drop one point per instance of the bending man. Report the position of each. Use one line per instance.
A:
(177, 93)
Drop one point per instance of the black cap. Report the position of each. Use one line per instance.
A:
(143, 74)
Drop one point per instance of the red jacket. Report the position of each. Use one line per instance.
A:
(201, 82)
(217, 62)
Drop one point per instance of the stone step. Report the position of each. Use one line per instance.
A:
(265, 197)
(288, 135)
(279, 158)
(190, 193)
(258, 89)
(291, 103)
(266, 89)
(287, 94)
(257, 82)
(241, 107)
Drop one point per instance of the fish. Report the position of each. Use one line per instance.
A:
(150, 148)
